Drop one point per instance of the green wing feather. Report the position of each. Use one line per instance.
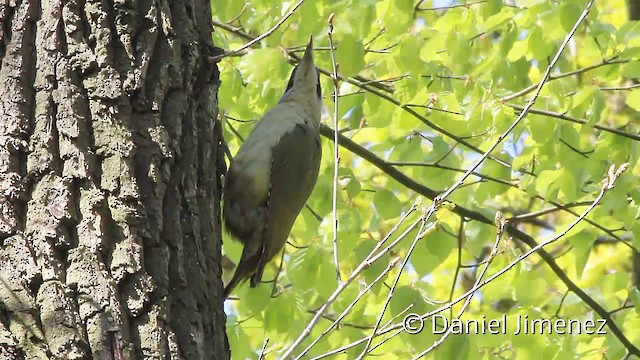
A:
(294, 171)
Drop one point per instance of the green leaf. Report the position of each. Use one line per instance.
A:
(350, 55)
(255, 299)
(546, 179)
(597, 108)
(490, 7)
(238, 339)
(538, 46)
(566, 182)
(569, 13)
(458, 347)
(518, 50)
(363, 248)
(387, 204)
(302, 269)
(491, 189)
(432, 250)
(496, 20)
(408, 57)
(632, 69)
(308, 12)
(633, 99)
(379, 111)
(395, 15)
(583, 98)
(582, 243)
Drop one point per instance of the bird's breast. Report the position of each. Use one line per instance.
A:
(253, 161)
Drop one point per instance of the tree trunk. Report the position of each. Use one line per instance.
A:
(110, 169)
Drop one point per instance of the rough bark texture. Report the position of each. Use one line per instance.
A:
(109, 181)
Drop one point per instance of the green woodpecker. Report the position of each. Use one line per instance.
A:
(272, 175)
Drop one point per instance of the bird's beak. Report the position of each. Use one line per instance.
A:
(308, 52)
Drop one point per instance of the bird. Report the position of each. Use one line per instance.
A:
(274, 172)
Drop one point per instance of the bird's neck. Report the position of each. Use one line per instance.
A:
(307, 106)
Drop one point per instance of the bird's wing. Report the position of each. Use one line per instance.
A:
(242, 208)
(294, 171)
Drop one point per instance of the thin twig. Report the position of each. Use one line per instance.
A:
(473, 215)
(620, 88)
(307, 330)
(264, 347)
(450, 168)
(237, 17)
(577, 121)
(500, 225)
(529, 104)
(336, 155)
(537, 248)
(419, 235)
(532, 87)
(607, 185)
(373, 88)
(459, 261)
(346, 311)
(538, 213)
(411, 184)
(232, 29)
(467, 5)
(259, 38)
(372, 258)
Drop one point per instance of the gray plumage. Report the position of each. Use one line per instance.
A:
(273, 173)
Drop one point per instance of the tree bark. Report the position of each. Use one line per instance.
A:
(110, 168)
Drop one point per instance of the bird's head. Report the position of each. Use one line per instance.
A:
(305, 79)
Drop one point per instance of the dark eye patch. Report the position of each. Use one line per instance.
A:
(290, 83)
(318, 87)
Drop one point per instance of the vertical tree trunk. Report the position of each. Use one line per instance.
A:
(109, 181)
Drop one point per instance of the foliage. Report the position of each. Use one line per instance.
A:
(463, 69)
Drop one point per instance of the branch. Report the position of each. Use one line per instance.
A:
(577, 121)
(419, 235)
(232, 29)
(560, 76)
(259, 38)
(336, 147)
(341, 286)
(477, 216)
(411, 184)
(519, 217)
(538, 248)
(264, 348)
(620, 88)
(500, 225)
(346, 311)
(407, 108)
(371, 86)
(529, 104)
(467, 5)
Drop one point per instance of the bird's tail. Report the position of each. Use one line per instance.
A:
(247, 266)
(237, 279)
